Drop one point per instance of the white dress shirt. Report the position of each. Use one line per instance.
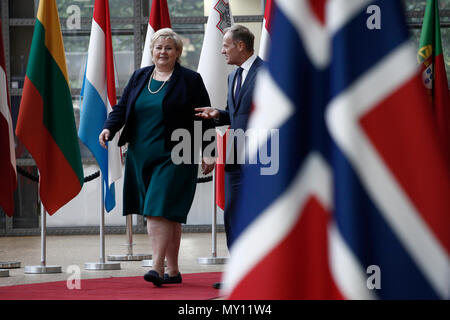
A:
(246, 66)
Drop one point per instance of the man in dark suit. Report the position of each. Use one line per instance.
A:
(238, 50)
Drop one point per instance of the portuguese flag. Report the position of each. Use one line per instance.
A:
(46, 123)
(433, 70)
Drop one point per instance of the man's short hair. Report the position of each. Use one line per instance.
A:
(241, 33)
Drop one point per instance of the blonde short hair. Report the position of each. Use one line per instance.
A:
(167, 33)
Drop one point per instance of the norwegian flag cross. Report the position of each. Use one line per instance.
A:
(359, 208)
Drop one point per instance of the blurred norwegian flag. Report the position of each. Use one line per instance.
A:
(359, 208)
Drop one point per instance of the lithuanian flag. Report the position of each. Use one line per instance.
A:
(46, 123)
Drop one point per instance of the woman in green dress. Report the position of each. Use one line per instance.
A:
(157, 101)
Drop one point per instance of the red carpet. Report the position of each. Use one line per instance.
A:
(195, 286)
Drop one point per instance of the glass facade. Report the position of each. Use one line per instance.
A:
(129, 24)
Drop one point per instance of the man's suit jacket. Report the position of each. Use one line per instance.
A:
(236, 113)
(185, 92)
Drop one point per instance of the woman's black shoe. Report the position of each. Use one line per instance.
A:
(171, 280)
(153, 276)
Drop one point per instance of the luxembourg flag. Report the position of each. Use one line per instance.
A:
(265, 31)
(99, 95)
(159, 19)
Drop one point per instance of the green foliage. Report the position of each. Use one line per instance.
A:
(117, 8)
(421, 4)
(445, 36)
(86, 7)
(414, 4)
(185, 8)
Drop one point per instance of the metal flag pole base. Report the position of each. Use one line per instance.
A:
(129, 256)
(213, 259)
(149, 263)
(43, 268)
(102, 265)
(9, 265)
(4, 273)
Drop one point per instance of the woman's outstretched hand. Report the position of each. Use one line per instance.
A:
(103, 137)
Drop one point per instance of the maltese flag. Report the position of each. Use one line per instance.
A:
(212, 65)
(214, 71)
(99, 96)
(159, 19)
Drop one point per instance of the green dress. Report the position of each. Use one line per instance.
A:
(154, 185)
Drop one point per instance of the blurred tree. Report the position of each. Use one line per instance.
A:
(185, 8)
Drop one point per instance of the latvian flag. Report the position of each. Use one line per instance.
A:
(360, 206)
(8, 174)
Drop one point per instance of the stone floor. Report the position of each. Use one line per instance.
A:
(67, 251)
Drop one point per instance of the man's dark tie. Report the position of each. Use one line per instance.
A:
(238, 83)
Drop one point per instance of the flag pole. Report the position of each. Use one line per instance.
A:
(213, 259)
(129, 256)
(44, 237)
(102, 226)
(43, 268)
(102, 264)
